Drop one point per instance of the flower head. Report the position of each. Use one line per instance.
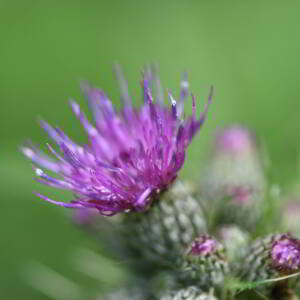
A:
(285, 254)
(131, 155)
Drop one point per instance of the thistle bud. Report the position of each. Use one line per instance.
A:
(163, 232)
(290, 217)
(204, 262)
(234, 178)
(190, 293)
(235, 241)
(270, 257)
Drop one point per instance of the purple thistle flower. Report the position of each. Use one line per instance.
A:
(285, 254)
(131, 155)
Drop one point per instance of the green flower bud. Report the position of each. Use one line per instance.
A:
(290, 217)
(235, 241)
(190, 293)
(234, 181)
(165, 230)
(270, 257)
(204, 263)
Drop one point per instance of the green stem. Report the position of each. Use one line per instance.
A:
(281, 291)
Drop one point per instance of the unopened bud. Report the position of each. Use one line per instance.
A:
(163, 232)
(270, 257)
(190, 293)
(204, 262)
(234, 181)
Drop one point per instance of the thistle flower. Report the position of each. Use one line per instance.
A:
(271, 257)
(204, 262)
(190, 293)
(131, 155)
(234, 180)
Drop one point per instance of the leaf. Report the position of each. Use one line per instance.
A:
(239, 286)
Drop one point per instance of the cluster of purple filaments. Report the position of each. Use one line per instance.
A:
(285, 254)
(204, 245)
(131, 155)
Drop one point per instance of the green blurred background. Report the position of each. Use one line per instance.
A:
(249, 50)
